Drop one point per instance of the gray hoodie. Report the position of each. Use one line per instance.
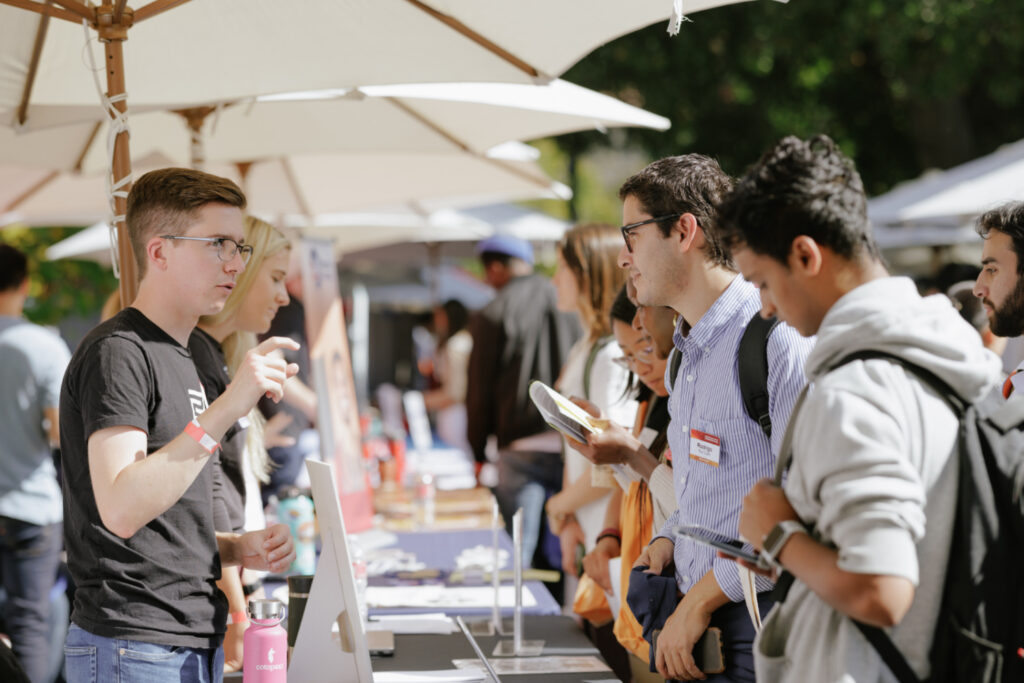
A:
(873, 472)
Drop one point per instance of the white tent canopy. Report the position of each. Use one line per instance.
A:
(942, 205)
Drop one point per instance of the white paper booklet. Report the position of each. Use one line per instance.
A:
(562, 414)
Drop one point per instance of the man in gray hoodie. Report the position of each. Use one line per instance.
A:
(870, 449)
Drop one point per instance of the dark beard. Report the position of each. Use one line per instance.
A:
(1008, 319)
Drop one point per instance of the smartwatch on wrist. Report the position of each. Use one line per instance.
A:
(775, 539)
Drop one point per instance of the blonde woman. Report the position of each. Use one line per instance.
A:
(218, 345)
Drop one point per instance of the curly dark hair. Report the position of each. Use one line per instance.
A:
(799, 187)
(1009, 220)
(690, 183)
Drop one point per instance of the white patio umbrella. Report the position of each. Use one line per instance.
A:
(394, 229)
(179, 53)
(436, 117)
(299, 186)
(241, 48)
(357, 231)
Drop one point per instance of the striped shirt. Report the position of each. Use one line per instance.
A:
(706, 398)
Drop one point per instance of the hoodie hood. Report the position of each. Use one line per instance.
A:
(889, 315)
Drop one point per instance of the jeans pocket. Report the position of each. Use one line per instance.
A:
(148, 652)
(80, 663)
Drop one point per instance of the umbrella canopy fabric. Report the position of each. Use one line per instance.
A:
(294, 187)
(356, 232)
(184, 53)
(435, 118)
(388, 231)
(242, 48)
(954, 198)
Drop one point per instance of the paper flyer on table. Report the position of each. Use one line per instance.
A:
(537, 665)
(615, 574)
(440, 676)
(562, 414)
(437, 596)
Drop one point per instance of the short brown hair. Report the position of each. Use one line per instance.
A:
(591, 252)
(690, 183)
(167, 201)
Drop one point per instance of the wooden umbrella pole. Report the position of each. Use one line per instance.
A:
(194, 119)
(113, 34)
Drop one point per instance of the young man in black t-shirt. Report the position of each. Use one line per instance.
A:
(136, 440)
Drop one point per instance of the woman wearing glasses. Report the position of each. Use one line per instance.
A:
(218, 345)
(645, 336)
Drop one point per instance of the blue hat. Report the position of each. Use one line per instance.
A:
(508, 245)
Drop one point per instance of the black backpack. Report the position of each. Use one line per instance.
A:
(752, 357)
(979, 635)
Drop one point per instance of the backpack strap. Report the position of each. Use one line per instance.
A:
(888, 651)
(595, 349)
(878, 638)
(753, 370)
(675, 361)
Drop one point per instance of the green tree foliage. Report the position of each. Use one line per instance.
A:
(58, 289)
(902, 86)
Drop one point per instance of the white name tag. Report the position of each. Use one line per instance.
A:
(706, 448)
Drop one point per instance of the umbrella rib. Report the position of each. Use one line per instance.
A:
(509, 168)
(30, 78)
(300, 199)
(85, 148)
(48, 10)
(156, 7)
(17, 201)
(430, 124)
(489, 45)
(82, 10)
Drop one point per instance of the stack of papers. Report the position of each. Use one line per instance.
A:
(435, 597)
(562, 414)
(412, 624)
(442, 676)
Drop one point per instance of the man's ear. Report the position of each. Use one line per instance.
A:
(690, 233)
(805, 256)
(155, 249)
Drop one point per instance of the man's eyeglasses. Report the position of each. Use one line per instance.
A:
(227, 248)
(627, 230)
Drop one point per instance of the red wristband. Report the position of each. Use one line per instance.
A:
(196, 431)
(238, 618)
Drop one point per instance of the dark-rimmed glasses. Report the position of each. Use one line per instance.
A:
(227, 248)
(627, 230)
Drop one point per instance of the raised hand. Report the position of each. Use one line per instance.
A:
(270, 549)
(263, 371)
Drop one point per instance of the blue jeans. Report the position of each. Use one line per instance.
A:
(94, 659)
(525, 480)
(29, 555)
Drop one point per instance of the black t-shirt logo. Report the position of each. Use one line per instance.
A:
(198, 401)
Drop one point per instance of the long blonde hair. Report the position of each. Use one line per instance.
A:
(591, 252)
(266, 240)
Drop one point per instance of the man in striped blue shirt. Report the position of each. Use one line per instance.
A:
(676, 259)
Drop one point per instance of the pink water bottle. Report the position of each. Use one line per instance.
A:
(265, 655)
